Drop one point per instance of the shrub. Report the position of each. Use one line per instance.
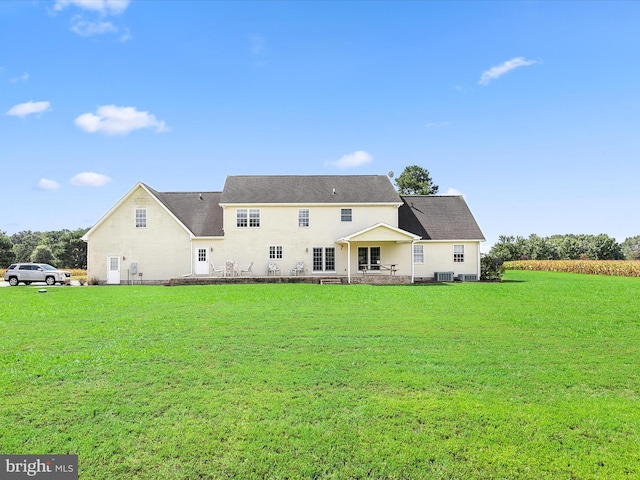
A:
(491, 269)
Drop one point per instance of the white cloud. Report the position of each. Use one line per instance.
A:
(23, 109)
(85, 28)
(104, 7)
(22, 78)
(46, 184)
(453, 191)
(354, 159)
(499, 70)
(89, 179)
(114, 120)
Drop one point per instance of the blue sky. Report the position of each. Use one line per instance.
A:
(531, 110)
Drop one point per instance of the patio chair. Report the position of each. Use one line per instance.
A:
(247, 270)
(273, 269)
(298, 270)
(215, 270)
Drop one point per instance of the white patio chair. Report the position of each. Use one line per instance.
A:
(298, 270)
(215, 270)
(247, 270)
(273, 269)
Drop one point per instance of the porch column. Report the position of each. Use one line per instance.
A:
(348, 262)
(413, 271)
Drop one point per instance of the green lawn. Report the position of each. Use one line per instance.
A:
(536, 377)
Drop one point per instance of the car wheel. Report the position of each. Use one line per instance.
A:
(50, 281)
(13, 281)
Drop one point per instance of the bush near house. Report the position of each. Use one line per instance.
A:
(622, 268)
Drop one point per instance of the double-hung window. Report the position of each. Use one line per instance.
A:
(247, 217)
(418, 254)
(303, 217)
(458, 253)
(141, 218)
(346, 215)
(275, 252)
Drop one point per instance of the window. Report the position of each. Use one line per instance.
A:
(345, 215)
(303, 217)
(254, 217)
(458, 253)
(202, 254)
(141, 218)
(368, 258)
(418, 254)
(275, 252)
(324, 259)
(248, 217)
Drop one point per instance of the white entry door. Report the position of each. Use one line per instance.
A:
(113, 270)
(202, 261)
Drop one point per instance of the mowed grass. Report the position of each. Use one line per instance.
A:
(536, 377)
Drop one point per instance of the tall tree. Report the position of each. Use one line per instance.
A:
(7, 256)
(415, 180)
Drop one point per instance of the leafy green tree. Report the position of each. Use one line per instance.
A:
(538, 248)
(509, 248)
(7, 257)
(631, 248)
(24, 244)
(415, 180)
(42, 254)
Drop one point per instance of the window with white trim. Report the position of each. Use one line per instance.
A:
(303, 217)
(368, 258)
(346, 214)
(324, 259)
(458, 253)
(275, 252)
(418, 253)
(141, 218)
(247, 217)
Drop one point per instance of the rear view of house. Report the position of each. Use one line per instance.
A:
(351, 226)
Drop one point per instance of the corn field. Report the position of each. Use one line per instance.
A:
(621, 268)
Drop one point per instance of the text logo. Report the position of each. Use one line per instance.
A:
(45, 467)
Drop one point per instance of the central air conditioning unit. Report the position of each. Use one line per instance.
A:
(467, 277)
(443, 276)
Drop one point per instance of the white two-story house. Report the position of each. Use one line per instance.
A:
(355, 227)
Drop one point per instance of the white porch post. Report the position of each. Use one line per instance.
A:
(413, 272)
(348, 262)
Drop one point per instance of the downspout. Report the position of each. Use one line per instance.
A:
(348, 262)
(479, 262)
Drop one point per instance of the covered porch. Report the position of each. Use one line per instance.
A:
(379, 250)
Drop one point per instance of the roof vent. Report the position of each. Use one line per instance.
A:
(334, 191)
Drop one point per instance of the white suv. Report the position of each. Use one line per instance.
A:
(28, 273)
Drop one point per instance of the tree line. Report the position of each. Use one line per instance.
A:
(565, 247)
(62, 248)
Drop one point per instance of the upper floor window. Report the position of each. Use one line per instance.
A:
(248, 217)
(458, 253)
(345, 214)
(418, 254)
(303, 217)
(141, 218)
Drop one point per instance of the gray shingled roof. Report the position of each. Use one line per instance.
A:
(200, 212)
(308, 189)
(438, 217)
